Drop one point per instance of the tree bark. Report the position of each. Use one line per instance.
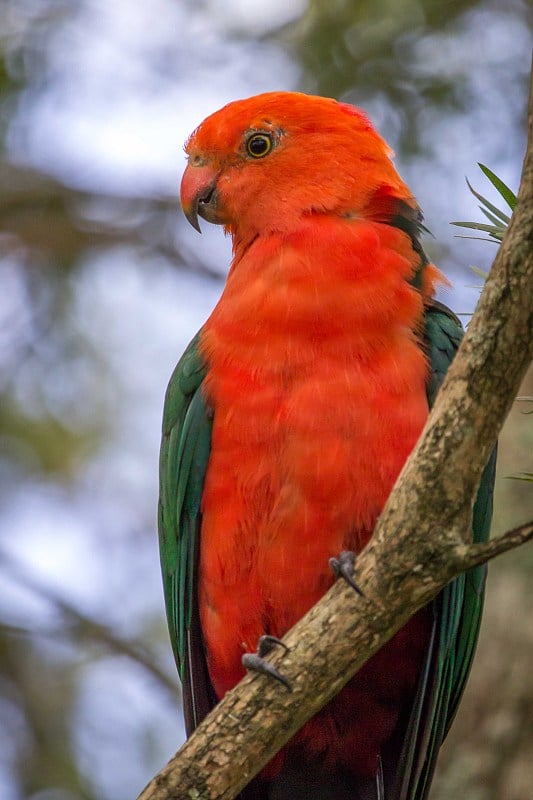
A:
(420, 542)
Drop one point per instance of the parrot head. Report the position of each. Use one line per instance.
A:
(259, 165)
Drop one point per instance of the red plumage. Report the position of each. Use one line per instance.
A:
(316, 375)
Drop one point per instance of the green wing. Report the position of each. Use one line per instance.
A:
(456, 611)
(184, 455)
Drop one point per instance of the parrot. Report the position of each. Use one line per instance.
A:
(286, 423)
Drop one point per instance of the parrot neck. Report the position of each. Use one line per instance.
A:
(336, 285)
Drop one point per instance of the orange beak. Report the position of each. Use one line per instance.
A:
(199, 196)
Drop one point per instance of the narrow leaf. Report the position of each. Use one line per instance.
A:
(522, 476)
(493, 218)
(495, 210)
(480, 226)
(481, 272)
(506, 193)
(475, 238)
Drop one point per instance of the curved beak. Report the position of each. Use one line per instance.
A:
(199, 195)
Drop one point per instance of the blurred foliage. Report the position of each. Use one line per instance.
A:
(398, 49)
(58, 394)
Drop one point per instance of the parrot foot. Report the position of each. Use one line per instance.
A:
(343, 567)
(255, 662)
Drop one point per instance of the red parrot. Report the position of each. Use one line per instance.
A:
(286, 424)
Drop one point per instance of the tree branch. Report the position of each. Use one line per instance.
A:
(84, 626)
(418, 546)
(475, 554)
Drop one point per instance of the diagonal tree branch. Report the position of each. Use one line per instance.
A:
(418, 546)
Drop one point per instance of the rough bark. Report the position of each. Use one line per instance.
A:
(419, 545)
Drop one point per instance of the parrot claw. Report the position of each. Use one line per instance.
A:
(268, 643)
(343, 567)
(255, 662)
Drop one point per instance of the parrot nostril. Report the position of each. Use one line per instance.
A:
(206, 205)
(206, 198)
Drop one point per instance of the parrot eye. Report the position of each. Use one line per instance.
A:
(259, 145)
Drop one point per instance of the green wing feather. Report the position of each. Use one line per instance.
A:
(457, 610)
(183, 461)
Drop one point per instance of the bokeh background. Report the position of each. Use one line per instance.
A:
(102, 283)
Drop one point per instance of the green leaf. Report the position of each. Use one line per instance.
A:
(496, 211)
(493, 218)
(480, 226)
(499, 219)
(481, 272)
(499, 185)
(522, 476)
(476, 238)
